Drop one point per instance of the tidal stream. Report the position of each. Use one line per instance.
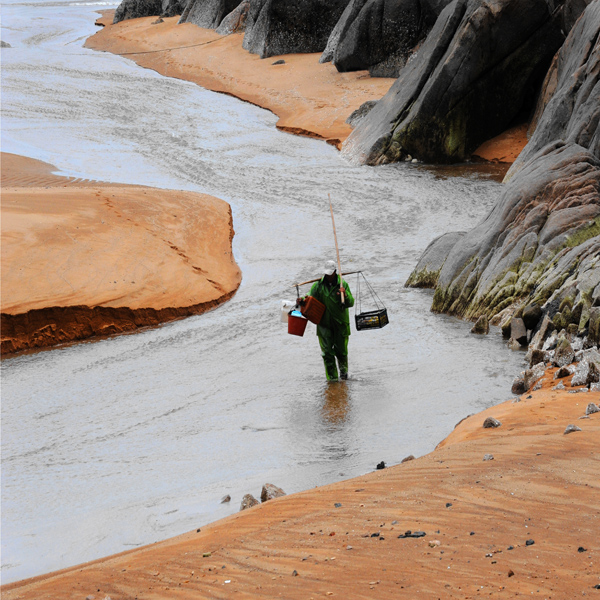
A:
(112, 444)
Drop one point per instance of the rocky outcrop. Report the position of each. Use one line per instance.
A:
(235, 20)
(380, 34)
(279, 27)
(479, 67)
(135, 9)
(208, 13)
(540, 246)
(569, 104)
(170, 8)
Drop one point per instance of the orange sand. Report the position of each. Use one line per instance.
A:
(505, 147)
(541, 485)
(309, 98)
(82, 258)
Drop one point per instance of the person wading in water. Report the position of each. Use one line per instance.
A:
(334, 328)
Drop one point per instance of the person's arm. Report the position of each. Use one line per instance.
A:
(349, 299)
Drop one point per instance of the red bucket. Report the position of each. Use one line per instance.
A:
(296, 325)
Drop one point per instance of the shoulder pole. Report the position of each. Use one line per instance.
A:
(337, 250)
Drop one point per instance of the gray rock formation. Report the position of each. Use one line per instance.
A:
(208, 13)
(564, 354)
(518, 331)
(380, 34)
(170, 8)
(236, 20)
(569, 102)
(427, 271)
(475, 72)
(280, 27)
(4, 44)
(491, 423)
(360, 113)
(134, 9)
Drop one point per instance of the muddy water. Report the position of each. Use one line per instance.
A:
(113, 444)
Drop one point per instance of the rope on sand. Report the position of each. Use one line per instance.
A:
(169, 49)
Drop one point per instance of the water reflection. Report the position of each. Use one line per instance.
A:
(336, 404)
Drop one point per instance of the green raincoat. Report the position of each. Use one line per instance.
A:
(334, 328)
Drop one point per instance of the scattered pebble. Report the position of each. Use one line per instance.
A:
(472, 533)
(581, 549)
(490, 422)
(571, 429)
(294, 573)
(529, 542)
(591, 409)
(448, 504)
(279, 62)
(412, 534)
(434, 543)
(338, 504)
(225, 499)
(198, 530)
(348, 547)
(380, 466)
(376, 534)
(510, 572)
(206, 554)
(408, 458)
(488, 457)
(511, 548)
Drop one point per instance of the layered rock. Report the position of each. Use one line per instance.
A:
(208, 13)
(540, 245)
(235, 20)
(477, 70)
(279, 27)
(380, 34)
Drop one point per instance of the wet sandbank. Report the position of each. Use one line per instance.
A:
(477, 514)
(82, 258)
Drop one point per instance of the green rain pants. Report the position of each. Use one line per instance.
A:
(334, 344)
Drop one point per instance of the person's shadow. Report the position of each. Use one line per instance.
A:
(336, 406)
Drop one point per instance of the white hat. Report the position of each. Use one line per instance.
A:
(329, 267)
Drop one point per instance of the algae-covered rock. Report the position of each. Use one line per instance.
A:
(469, 79)
(564, 354)
(482, 326)
(426, 273)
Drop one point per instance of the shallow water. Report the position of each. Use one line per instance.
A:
(113, 444)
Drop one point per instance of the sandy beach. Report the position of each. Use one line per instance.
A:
(524, 523)
(83, 258)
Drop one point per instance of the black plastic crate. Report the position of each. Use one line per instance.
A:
(374, 319)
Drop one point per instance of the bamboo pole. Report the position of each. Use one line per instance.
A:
(318, 278)
(337, 250)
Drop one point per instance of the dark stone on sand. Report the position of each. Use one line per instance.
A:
(571, 429)
(529, 542)
(270, 491)
(158, 21)
(381, 465)
(279, 62)
(581, 549)
(412, 534)
(338, 505)
(407, 458)
(490, 422)
(448, 504)
(277, 27)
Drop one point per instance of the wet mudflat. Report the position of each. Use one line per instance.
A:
(113, 444)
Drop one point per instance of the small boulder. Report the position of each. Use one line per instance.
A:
(225, 499)
(488, 457)
(591, 409)
(518, 331)
(564, 372)
(564, 354)
(481, 326)
(270, 491)
(536, 356)
(490, 422)
(571, 429)
(519, 386)
(408, 458)
(248, 501)
(532, 314)
(4, 44)
(585, 373)
(279, 62)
